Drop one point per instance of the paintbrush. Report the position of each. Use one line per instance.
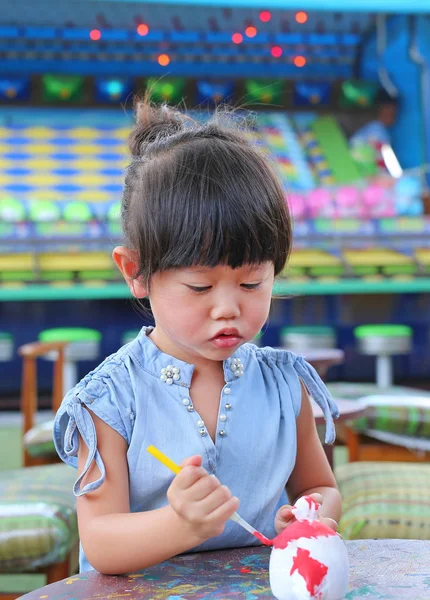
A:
(165, 460)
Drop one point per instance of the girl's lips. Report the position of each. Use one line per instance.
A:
(226, 341)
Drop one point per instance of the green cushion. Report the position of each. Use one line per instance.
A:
(308, 330)
(384, 500)
(356, 390)
(382, 331)
(69, 334)
(38, 525)
(39, 442)
(401, 420)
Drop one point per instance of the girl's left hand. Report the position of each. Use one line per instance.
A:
(285, 517)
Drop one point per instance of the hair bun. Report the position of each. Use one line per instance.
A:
(152, 124)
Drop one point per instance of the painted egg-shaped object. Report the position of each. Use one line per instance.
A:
(309, 560)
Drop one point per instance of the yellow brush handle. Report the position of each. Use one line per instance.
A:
(165, 460)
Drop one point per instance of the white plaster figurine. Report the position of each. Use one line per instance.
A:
(309, 560)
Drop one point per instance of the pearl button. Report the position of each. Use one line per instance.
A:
(185, 401)
(227, 391)
(202, 431)
(190, 408)
(223, 418)
(228, 406)
(222, 433)
(200, 423)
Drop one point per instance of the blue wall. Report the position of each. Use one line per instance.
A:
(407, 135)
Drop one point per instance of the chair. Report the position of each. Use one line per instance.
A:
(300, 338)
(384, 500)
(38, 522)
(38, 443)
(393, 428)
(83, 344)
(384, 341)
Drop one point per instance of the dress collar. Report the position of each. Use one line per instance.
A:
(172, 371)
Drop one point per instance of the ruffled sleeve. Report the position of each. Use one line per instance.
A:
(288, 369)
(319, 393)
(73, 420)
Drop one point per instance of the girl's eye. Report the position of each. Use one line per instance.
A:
(251, 286)
(198, 289)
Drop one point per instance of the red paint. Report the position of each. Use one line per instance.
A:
(312, 571)
(313, 504)
(245, 570)
(302, 529)
(263, 539)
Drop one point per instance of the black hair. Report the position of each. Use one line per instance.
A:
(200, 194)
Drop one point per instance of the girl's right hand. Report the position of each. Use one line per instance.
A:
(200, 499)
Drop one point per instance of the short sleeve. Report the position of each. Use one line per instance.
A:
(100, 395)
(289, 369)
(319, 393)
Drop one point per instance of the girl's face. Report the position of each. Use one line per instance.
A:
(206, 313)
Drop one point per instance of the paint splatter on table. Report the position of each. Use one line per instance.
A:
(380, 570)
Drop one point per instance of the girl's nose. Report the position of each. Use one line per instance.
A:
(225, 307)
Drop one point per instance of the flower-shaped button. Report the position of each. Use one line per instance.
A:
(170, 374)
(236, 367)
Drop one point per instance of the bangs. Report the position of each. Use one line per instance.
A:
(211, 233)
(213, 205)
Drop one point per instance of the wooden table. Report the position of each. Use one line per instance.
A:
(379, 570)
(348, 410)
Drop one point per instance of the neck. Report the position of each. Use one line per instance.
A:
(201, 364)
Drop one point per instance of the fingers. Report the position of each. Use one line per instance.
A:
(317, 497)
(224, 512)
(330, 523)
(200, 499)
(283, 517)
(285, 513)
(192, 461)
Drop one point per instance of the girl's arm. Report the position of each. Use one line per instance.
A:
(116, 541)
(312, 472)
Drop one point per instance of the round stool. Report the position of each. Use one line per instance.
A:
(83, 344)
(384, 341)
(6, 346)
(302, 338)
(129, 335)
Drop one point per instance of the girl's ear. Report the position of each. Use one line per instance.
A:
(127, 262)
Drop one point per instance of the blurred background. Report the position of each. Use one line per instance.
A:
(339, 99)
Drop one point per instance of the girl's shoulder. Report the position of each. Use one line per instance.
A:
(290, 370)
(109, 392)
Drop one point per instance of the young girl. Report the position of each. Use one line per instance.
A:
(207, 231)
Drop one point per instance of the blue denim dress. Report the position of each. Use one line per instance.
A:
(143, 394)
